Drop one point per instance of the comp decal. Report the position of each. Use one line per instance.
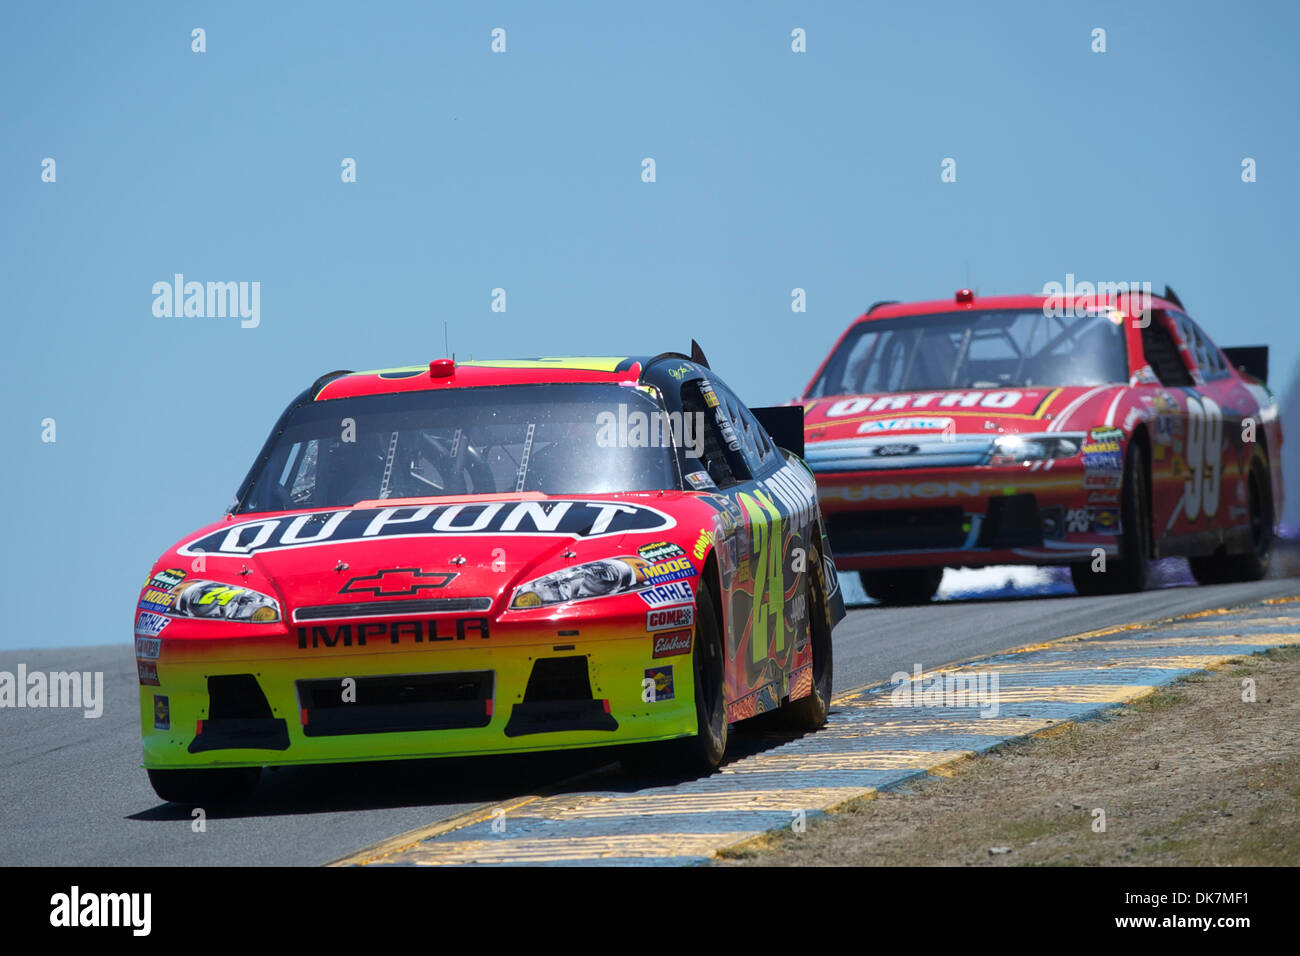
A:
(570, 519)
(670, 617)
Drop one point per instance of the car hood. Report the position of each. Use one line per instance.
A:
(946, 427)
(472, 552)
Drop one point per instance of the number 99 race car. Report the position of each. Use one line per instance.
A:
(488, 557)
(1095, 431)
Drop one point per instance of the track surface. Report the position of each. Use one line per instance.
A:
(73, 793)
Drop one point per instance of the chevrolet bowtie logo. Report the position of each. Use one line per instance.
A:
(398, 582)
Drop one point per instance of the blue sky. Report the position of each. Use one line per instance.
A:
(522, 171)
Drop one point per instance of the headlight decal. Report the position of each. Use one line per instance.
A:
(212, 600)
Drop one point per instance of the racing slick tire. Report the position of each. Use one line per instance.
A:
(700, 753)
(224, 785)
(902, 585)
(1222, 567)
(809, 713)
(1128, 572)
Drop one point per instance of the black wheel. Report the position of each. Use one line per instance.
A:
(1222, 567)
(1128, 572)
(809, 713)
(205, 787)
(700, 753)
(902, 585)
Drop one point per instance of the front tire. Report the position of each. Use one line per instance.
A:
(1128, 572)
(701, 753)
(206, 787)
(902, 585)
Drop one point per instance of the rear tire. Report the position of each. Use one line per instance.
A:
(1128, 572)
(701, 753)
(206, 787)
(809, 713)
(1221, 567)
(902, 585)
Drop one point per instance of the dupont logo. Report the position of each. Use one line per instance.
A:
(669, 618)
(672, 643)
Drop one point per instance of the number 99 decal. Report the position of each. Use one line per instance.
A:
(1204, 456)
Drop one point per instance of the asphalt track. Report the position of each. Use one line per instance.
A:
(73, 793)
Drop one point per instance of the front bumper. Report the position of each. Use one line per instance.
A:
(259, 699)
(1040, 513)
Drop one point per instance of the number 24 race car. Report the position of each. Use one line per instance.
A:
(1042, 430)
(488, 557)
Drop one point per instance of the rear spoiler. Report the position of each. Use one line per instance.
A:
(1251, 359)
(785, 424)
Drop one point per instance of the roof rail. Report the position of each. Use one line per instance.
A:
(876, 305)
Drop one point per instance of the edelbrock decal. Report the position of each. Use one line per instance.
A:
(571, 519)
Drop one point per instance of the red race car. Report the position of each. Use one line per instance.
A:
(488, 557)
(1096, 431)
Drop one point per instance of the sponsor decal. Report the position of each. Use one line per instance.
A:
(149, 624)
(678, 592)
(888, 403)
(674, 569)
(162, 713)
(570, 519)
(888, 491)
(395, 632)
(671, 644)
(1103, 497)
(1110, 437)
(147, 671)
(659, 550)
(1076, 521)
(1105, 520)
(1104, 461)
(148, 648)
(895, 450)
(397, 582)
(700, 480)
(663, 681)
(710, 398)
(702, 544)
(154, 600)
(887, 425)
(1102, 480)
(166, 580)
(669, 618)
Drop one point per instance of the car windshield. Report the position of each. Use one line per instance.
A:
(555, 439)
(992, 349)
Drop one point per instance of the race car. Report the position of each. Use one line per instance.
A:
(486, 557)
(1096, 430)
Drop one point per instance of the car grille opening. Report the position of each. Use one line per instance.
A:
(558, 697)
(239, 717)
(399, 703)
